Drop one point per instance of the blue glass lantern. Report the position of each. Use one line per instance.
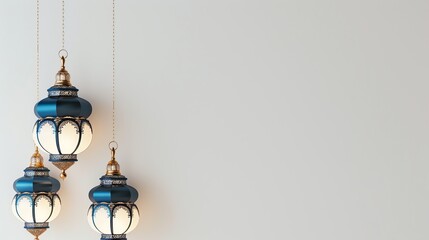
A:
(63, 129)
(36, 202)
(113, 212)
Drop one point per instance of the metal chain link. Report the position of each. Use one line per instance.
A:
(113, 72)
(63, 24)
(37, 50)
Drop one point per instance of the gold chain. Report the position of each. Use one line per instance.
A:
(63, 25)
(37, 50)
(113, 73)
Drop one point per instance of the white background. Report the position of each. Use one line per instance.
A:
(237, 120)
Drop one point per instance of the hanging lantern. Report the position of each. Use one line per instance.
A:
(113, 212)
(36, 202)
(62, 129)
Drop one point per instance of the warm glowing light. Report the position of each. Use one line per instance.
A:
(68, 137)
(119, 219)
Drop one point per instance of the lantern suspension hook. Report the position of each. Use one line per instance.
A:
(63, 54)
(113, 167)
(63, 62)
(113, 151)
(113, 146)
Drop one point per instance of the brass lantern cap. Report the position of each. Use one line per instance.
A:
(113, 167)
(36, 159)
(63, 77)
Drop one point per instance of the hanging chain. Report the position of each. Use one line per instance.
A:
(37, 50)
(62, 24)
(113, 73)
(63, 52)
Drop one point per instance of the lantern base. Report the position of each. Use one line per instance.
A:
(63, 162)
(63, 158)
(113, 237)
(36, 229)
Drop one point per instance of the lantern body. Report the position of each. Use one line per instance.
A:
(62, 128)
(36, 209)
(36, 202)
(62, 136)
(113, 212)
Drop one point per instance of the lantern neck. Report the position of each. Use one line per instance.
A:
(113, 167)
(36, 159)
(63, 77)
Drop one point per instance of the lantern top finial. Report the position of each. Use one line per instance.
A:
(113, 167)
(63, 62)
(63, 76)
(36, 160)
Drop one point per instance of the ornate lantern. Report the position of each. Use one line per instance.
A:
(113, 212)
(62, 129)
(36, 202)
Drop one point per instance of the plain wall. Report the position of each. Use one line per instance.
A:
(236, 120)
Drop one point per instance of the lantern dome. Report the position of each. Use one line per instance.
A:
(63, 101)
(63, 129)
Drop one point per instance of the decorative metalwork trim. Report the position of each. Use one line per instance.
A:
(36, 174)
(36, 225)
(34, 198)
(63, 93)
(62, 87)
(113, 237)
(113, 182)
(63, 157)
(58, 119)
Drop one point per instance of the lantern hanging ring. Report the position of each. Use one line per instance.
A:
(113, 145)
(63, 53)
